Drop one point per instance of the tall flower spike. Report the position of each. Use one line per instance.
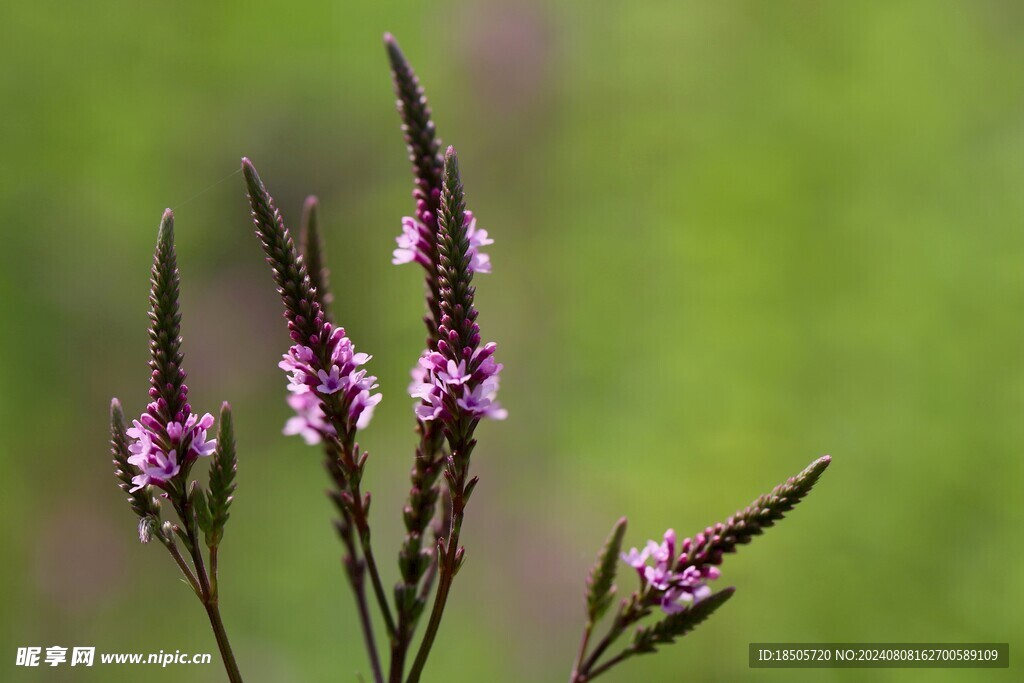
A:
(460, 383)
(311, 246)
(168, 437)
(166, 440)
(677, 580)
(459, 379)
(303, 307)
(322, 363)
(168, 378)
(331, 394)
(708, 546)
(418, 241)
(222, 477)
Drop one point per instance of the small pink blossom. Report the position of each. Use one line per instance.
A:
(445, 387)
(413, 243)
(478, 262)
(677, 589)
(418, 234)
(155, 446)
(342, 377)
(329, 383)
(157, 470)
(481, 400)
(309, 421)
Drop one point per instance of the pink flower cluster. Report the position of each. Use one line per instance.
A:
(308, 382)
(417, 236)
(447, 389)
(157, 449)
(678, 588)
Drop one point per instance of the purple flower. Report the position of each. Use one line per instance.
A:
(445, 387)
(157, 469)
(636, 559)
(306, 379)
(677, 589)
(156, 465)
(309, 421)
(478, 262)
(362, 407)
(413, 243)
(454, 373)
(418, 234)
(481, 401)
(330, 383)
(196, 427)
(155, 446)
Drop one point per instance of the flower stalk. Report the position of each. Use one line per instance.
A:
(164, 443)
(459, 383)
(418, 243)
(332, 396)
(677, 582)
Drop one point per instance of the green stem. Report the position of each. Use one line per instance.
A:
(349, 455)
(355, 568)
(209, 595)
(378, 586)
(446, 574)
(172, 548)
(364, 618)
(213, 611)
(581, 652)
(213, 572)
(605, 643)
(625, 654)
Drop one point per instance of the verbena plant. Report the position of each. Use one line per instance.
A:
(455, 385)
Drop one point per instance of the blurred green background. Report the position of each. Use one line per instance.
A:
(730, 237)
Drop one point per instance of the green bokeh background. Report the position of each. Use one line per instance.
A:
(730, 237)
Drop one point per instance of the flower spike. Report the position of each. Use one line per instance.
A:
(330, 392)
(323, 366)
(418, 240)
(303, 307)
(708, 546)
(168, 378)
(601, 581)
(311, 246)
(457, 382)
(222, 476)
(161, 446)
(168, 438)
(674, 576)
